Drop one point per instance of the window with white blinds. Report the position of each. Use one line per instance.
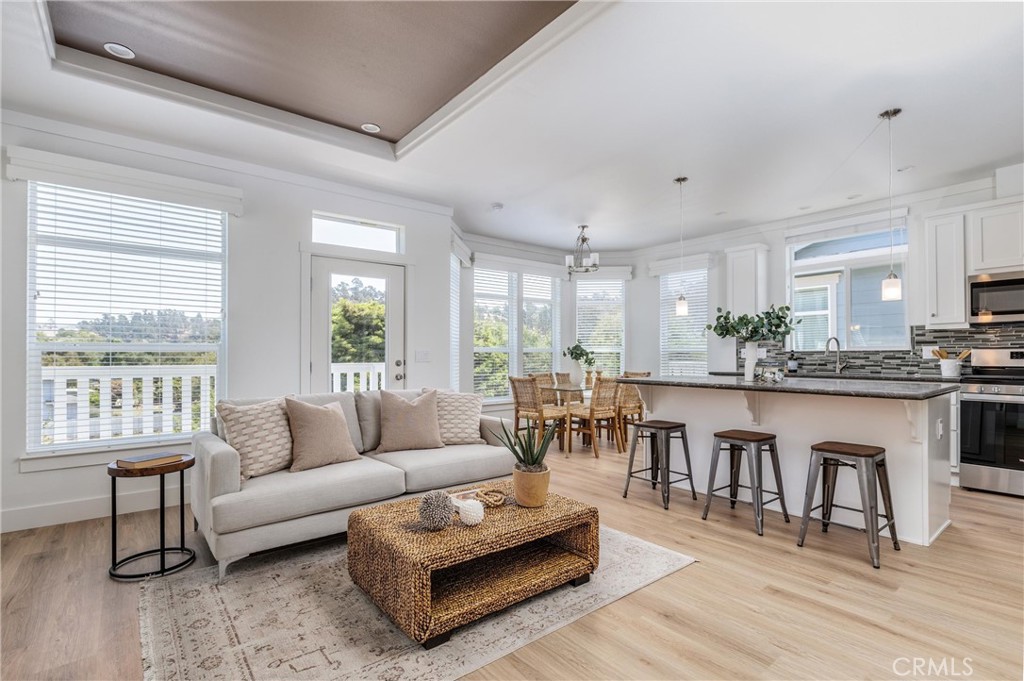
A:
(454, 282)
(684, 343)
(125, 315)
(601, 321)
(515, 328)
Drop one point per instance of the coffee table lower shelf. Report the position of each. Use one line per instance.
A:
(495, 581)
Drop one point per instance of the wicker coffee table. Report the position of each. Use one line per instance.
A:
(430, 583)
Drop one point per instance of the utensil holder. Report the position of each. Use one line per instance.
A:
(949, 368)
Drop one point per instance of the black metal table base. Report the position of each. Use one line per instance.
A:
(164, 551)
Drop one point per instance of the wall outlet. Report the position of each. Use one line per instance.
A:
(926, 351)
(762, 353)
(422, 355)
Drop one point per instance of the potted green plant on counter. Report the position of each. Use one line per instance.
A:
(774, 324)
(530, 476)
(580, 355)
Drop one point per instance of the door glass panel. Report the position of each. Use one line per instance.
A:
(358, 326)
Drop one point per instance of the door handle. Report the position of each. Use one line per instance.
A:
(399, 362)
(399, 377)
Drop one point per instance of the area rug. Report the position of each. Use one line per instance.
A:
(295, 614)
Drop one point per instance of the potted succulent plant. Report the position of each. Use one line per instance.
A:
(772, 325)
(530, 476)
(580, 355)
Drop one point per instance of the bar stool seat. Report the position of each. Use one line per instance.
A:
(659, 432)
(869, 462)
(753, 442)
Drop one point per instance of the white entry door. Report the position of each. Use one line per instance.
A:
(357, 340)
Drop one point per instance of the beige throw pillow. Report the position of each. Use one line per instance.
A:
(320, 435)
(260, 434)
(408, 425)
(458, 417)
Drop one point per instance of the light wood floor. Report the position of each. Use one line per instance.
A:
(752, 608)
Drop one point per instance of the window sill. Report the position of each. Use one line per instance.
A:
(96, 455)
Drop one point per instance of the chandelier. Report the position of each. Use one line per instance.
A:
(582, 259)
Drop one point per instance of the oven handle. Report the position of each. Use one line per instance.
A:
(979, 397)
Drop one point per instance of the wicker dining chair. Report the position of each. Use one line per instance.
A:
(529, 406)
(546, 383)
(584, 418)
(629, 406)
(568, 396)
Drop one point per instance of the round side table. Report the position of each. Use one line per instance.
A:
(115, 472)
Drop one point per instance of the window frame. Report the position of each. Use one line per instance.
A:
(666, 310)
(36, 452)
(606, 349)
(397, 230)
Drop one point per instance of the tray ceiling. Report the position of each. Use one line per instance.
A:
(343, 63)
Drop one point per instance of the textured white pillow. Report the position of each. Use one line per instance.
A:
(458, 417)
(261, 435)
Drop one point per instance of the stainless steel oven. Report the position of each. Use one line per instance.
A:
(996, 298)
(992, 422)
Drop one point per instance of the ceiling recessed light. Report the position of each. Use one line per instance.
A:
(721, 212)
(905, 169)
(497, 206)
(370, 127)
(851, 197)
(119, 50)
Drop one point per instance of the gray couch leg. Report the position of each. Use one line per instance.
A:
(223, 565)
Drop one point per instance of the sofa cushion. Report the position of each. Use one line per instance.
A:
(346, 400)
(408, 424)
(450, 466)
(458, 417)
(319, 435)
(260, 434)
(285, 495)
(368, 408)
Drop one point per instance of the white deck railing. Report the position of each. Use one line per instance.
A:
(79, 404)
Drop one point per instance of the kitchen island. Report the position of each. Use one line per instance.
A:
(911, 419)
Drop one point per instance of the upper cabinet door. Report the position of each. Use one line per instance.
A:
(996, 237)
(946, 281)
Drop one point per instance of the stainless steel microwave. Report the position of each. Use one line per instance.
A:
(996, 298)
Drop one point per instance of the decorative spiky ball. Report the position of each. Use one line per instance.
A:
(471, 511)
(436, 510)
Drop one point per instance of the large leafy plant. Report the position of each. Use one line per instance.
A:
(771, 325)
(528, 450)
(580, 354)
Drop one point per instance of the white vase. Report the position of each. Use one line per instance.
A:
(750, 362)
(575, 372)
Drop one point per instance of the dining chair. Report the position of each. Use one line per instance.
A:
(546, 383)
(569, 396)
(629, 405)
(530, 406)
(584, 418)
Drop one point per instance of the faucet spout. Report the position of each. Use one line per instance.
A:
(828, 343)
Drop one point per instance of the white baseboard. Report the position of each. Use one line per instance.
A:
(26, 517)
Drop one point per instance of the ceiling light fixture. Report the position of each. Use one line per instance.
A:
(497, 207)
(892, 287)
(582, 260)
(682, 307)
(118, 50)
(372, 128)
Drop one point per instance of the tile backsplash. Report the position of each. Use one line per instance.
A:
(905, 362)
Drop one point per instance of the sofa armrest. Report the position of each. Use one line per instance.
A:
(217, 471)
(489, 425)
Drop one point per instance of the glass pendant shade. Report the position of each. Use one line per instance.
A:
(892, 288)
(682, 307)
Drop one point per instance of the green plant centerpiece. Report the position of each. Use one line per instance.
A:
(530, 475)
(580, 355)
(774, 324)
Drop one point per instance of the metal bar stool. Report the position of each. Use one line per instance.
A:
(660, 434)
(753, 443)
(869, 462)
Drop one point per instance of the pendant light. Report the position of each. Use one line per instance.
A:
(582, 259)
(682, 307)
(892, 287)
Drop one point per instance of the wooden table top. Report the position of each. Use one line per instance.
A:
(115, 471)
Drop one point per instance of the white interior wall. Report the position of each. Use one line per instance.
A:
(263, 319)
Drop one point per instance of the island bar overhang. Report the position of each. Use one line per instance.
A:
(910, 419)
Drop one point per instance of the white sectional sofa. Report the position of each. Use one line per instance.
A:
(239, 517)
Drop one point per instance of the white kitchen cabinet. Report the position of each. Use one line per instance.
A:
(946, 280)
(746, 272)
(996, 236)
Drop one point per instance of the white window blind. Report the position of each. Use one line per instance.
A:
(494, 326)
(454, 282)
(601, 321)
(539, 310)
(125, 314)
(684, 345)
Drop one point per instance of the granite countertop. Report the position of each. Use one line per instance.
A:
(843, 387)
(859, 376)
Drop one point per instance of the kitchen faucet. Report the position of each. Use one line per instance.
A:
(839, 367)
